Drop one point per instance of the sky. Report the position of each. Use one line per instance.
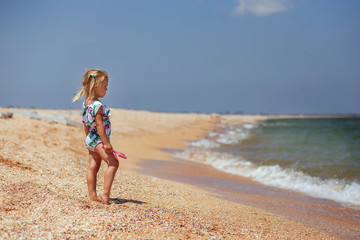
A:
(209, 56)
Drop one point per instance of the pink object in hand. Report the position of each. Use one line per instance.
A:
(117, 153)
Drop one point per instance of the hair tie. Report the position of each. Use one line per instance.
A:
(92, 76)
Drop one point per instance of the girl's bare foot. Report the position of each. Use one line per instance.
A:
(104, 199)
(94, 198)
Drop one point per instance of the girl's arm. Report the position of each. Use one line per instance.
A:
(86, 129)
(101, 130)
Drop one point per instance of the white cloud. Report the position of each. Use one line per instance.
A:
(261, 7)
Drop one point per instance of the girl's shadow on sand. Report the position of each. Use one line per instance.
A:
(122, 201)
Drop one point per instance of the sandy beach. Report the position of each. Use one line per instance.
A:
(43, 191)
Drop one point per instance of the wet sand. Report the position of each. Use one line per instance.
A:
(325, 215)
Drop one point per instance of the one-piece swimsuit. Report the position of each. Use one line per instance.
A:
(88, 118)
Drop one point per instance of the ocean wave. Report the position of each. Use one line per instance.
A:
(209, 151)
(234, 135)
(274, 175)
(205, 143)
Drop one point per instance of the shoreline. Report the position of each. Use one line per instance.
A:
(326, 215)
(43, 193)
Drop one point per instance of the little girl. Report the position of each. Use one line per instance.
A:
(96, 121)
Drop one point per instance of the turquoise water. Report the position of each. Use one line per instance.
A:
(325, 148)
(318, 157)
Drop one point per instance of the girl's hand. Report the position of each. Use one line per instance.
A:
(108, 148)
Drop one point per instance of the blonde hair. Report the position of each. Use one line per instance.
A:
(91, 79)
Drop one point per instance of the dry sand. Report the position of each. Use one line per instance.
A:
(43, 191)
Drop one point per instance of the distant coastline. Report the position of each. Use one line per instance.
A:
(223, 113)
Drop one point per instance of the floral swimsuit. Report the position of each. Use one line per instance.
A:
(88, 118)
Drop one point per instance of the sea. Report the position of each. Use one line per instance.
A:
(319, 157)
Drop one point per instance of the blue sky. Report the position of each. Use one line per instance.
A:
(254, 56)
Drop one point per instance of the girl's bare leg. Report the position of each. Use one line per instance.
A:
(94, 166)
(113, 165)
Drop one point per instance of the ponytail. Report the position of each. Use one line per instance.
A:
(91, 78)
(78, 95)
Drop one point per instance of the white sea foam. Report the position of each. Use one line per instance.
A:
(205, 143)
(233, 135)
(212, 134)
(273, 175)
(249, 126)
